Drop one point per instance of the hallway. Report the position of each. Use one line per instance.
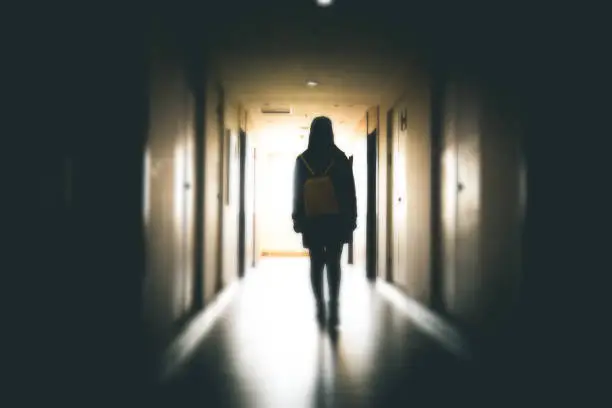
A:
(264, 349)
(139, 214)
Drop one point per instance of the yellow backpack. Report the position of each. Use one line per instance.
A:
(319, 193)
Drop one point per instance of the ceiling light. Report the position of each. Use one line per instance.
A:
(324, 3)
(312, 84)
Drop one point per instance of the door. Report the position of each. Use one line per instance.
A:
(188, 208)
(184, 207)
(400, 230)
(468, 196)
(449, 199)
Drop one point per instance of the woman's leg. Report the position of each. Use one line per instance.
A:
(317, 263)
(334, 274)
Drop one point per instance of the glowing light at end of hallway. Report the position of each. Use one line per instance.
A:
(312, 84)
(324, 3)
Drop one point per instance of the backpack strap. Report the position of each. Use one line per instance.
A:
(311, 170)
(307, 165)
(328, 167)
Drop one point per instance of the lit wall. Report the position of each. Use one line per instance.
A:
(277, 149)
(168, 198)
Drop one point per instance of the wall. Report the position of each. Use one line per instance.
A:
(177, 285)
(482, 200)
(213, 166)
(503, 198)
(169, 198)
(81, 225)
(277, 150)
(274, 199)
(412, 272)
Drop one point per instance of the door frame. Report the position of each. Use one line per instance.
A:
(254, 234)
(351, 244)
(372, 129)
(390, 196)
(242, 203)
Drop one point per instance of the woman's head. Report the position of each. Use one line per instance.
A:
(321, 136)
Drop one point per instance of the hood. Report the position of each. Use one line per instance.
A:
(321, 138)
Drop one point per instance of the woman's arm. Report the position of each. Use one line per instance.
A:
(298, 198)
(352, 196)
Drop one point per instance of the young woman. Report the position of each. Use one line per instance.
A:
(324, 210)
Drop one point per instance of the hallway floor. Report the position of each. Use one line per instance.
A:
(265, 349)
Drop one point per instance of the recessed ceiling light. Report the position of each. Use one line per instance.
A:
(312, 84)
(324, 3)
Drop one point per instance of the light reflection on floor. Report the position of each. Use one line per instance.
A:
(266, 350)
(282, 351)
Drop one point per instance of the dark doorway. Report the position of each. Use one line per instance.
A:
(242, 205)
(390, 196)
(371, 215)
(351, 250)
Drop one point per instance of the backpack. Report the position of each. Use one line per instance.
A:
(319, 193)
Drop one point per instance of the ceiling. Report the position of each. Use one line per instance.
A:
(347, 85)
(266, 62)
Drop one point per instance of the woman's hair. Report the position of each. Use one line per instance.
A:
(321, 138)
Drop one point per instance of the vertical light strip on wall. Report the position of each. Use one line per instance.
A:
(177, 222)
(146, 199)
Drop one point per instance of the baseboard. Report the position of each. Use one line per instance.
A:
(194, 331)
(431, 323)
(284, 254)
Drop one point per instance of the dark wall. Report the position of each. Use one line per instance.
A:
(100, 101)
(527, 243)
(483, 199)
(87, 250)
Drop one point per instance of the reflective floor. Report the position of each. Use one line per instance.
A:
(264, 349)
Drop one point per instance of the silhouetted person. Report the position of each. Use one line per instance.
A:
(324, 210)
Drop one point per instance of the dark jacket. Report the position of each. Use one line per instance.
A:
(330, 228)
